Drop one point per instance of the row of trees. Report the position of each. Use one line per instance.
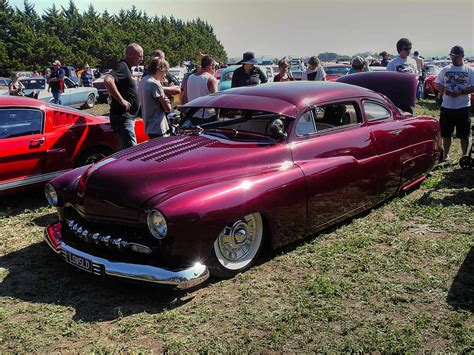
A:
(29, 41)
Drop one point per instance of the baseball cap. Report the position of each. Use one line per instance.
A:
(457, 50)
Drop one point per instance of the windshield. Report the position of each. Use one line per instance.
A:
(336, 70)
(36, 84)
(432, 69)
(243, 124)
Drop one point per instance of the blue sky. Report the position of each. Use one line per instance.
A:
(307, 27)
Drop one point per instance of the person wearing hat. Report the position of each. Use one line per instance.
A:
(56, 81)
(314, 72)
(86, 77)
(358, 65)
(456, 83)
(248, 73)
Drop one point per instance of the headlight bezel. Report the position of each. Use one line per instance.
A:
(51, 195)
(158, 230)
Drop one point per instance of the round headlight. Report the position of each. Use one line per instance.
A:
(157, 224)
(51, 195)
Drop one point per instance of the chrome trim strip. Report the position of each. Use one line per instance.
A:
(180, 279)
(29, 180)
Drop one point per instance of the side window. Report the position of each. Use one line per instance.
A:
(375, 111)
(68, 83)
(336, 115)
(305, 124)
(18, 122)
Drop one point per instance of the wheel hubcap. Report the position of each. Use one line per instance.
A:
(235, 241)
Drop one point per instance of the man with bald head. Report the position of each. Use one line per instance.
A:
(122, 89)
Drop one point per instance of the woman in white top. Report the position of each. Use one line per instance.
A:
(315, 71)
(16, 87)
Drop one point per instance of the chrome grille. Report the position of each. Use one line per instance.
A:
(107, 241)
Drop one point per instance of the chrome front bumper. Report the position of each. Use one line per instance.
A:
(179, 279)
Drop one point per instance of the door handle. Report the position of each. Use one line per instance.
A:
(36, 142)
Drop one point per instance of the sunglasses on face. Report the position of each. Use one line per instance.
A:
(406, 48)
(454, 55)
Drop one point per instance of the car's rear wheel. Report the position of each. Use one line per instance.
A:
(90, 102)
(237, 247)
(92, 156)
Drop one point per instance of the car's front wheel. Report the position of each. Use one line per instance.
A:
(237, 247)
(90, 102)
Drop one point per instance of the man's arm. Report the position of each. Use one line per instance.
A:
(235, 82)
(439, 87)
(171, 90)
(111, 87)
(263, 77)
(212, 85)
(165, 103)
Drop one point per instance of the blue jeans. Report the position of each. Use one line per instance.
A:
(420, 89)
(56, 97)
(124, 129)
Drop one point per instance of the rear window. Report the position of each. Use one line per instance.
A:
(35, 84)
(20, 122)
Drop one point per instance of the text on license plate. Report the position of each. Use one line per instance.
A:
(80, 262)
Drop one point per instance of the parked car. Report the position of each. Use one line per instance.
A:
(275, 164)
(431, 72)
(296, 72)
(335, 71)
(73, 95)
(4, 82)
(226, 77)
(40, 141)
(102, 93)
(178, 73)
(70, 72)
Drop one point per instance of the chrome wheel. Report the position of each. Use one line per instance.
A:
(90, 101)
(238, 245)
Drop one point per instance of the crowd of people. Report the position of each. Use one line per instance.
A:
(155, 91)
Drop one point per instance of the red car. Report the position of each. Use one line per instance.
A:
(39, 141)
(266, 166)
(335, 71)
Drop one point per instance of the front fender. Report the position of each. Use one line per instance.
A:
(197, 216)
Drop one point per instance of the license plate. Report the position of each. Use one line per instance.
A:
(79, 262)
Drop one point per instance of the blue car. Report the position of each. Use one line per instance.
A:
(226, 77)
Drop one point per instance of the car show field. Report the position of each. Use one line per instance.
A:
(395, 278)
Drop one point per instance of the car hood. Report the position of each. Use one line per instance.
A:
(119, 185)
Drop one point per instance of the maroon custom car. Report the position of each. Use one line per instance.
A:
(266, 166)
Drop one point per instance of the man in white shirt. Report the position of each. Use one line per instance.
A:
(456, 83)
(403, 63)
(202, 83)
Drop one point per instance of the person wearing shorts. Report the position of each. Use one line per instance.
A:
(456, 82)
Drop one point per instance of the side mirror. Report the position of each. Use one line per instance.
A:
(277, 129)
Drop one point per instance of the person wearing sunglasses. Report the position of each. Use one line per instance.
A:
(456, 83)
(403, 63)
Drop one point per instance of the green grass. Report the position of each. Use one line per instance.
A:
(398, 279)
